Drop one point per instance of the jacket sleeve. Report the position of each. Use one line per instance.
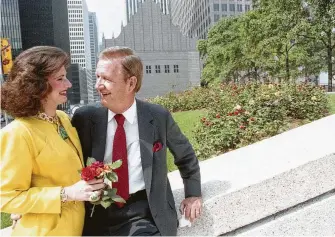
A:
(17, 195)
(184, 158)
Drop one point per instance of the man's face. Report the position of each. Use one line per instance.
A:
(111, 84)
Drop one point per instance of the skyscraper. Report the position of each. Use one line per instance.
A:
(48, 27)
(80, 40)
(195, 17)
(132, 6)
(94, 46)
(10, 24)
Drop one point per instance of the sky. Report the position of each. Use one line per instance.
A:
(110, 14)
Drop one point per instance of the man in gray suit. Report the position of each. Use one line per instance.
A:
(139, 133)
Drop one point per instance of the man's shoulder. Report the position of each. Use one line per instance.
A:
(154, 108)
(88, 110)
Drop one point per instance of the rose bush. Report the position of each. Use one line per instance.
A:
(238, 115)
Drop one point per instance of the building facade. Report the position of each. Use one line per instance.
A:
(10, 25)
(94, 46)
(79, 32)
(48, 27)
(171, 61)
(195, 17)
(132, 6)
(78, 93)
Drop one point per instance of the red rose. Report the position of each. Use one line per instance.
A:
(97, 164)
(98, 171)
(236, 112)
(242, 127)
(88, 173)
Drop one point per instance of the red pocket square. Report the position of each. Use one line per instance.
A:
(157, 146)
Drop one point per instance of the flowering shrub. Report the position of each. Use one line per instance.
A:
(197, 98)
(239, 115)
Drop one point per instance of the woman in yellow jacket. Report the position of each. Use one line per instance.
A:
(40, 150)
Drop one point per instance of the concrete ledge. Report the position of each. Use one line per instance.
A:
(257, 181)
(303, 220)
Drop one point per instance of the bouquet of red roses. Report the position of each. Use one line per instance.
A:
(98, 170)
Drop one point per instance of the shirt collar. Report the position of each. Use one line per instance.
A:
(130, 114)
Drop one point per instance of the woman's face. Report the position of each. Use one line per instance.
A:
(59, 84)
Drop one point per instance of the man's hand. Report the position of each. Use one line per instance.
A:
(191, 207)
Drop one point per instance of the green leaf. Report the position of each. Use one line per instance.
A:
(106, 198)
(116, 164)
(117, 198)
(105, 204)
(112, 192)
(90, 161)
(112, 176)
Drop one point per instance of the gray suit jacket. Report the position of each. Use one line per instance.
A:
(155, 125)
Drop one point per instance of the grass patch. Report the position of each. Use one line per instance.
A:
(5, 220)
(186, 121)
(332, 103)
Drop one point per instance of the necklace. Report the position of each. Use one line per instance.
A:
(54, 120)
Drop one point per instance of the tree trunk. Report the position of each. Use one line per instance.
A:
(329, 61)
(287, 66)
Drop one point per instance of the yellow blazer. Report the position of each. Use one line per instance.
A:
(35, 163)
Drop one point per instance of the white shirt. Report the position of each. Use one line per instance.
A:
(136, 180)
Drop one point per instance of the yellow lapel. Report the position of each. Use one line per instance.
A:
(73, 135)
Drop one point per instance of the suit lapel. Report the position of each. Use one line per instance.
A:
(146, 136)
(99, 133)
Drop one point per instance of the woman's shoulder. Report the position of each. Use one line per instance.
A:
(17, 128)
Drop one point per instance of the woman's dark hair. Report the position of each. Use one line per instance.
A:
(27, 82)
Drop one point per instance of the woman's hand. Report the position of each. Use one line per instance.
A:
(85, 190)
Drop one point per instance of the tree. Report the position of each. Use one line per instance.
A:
(320, 28)
(276, 40)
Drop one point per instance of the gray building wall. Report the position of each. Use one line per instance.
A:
(61, 25)
(132, 6)
(158, 42)
(160, 83)
(195, 17)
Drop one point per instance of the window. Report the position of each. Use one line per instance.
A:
(224, 7)
(216, 17)
(167, 68)
(148, 69)
(176, 68)
(247, 8)
(232, 7)
(239, 8)
(216, 7)
(158, 68)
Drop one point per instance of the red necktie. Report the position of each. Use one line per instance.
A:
(120, 152)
